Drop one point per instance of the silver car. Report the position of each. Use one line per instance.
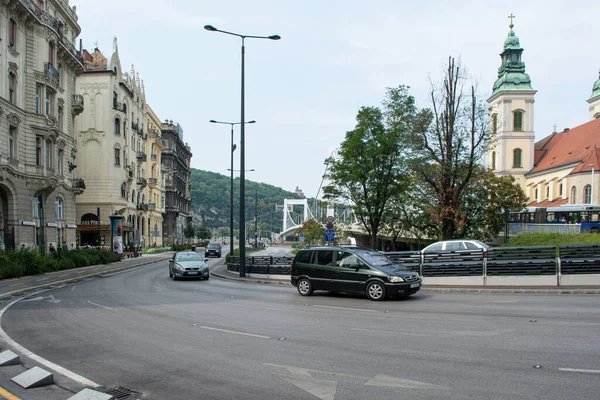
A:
(455, 245)
(188, 264)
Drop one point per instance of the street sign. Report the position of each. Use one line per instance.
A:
(330, 218)
(329, 225)
(329, 235)
(302, 237)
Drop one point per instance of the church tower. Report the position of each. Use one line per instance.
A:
(594, 100)
(511, 114)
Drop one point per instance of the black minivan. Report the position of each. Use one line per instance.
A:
(352, 269)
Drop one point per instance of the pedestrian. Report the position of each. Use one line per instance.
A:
(65, 248)
(23, 248)
(52, 248)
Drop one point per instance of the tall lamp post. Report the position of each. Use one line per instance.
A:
(231, 201)
(242, 140)
(592, 188)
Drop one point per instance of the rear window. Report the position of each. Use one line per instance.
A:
(213, 246)
(303, 257)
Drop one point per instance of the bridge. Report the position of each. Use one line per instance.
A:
(289, 225)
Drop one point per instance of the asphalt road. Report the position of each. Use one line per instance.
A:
(221, 339)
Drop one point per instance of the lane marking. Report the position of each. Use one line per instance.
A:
(17, 284)
(101, 306)
(235, 332)
(585, 371)
(8, 395)
(345, 308)
(43, 279)
(49, 364)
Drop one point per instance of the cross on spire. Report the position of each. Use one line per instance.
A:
(511, 16)
(554, 128)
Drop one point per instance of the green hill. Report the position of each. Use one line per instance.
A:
(210, 192)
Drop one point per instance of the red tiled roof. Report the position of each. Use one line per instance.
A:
(576, 145)
(552, 203)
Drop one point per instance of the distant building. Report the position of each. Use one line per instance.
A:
(38, 155)
(555, 170)
(299, 192)
(176, 159)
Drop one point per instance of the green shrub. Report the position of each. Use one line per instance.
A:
(552, 239)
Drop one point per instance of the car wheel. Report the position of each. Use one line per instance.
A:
(375, 291)
(304, 287)
(206, 277)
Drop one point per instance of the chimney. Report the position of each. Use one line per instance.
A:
(566, 130)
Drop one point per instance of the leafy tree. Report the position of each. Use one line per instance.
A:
(369, 168)
(189, 231)
(313, 231)
(204, 233)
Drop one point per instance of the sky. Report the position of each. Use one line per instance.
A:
(334, 57)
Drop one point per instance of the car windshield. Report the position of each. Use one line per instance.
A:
(189, 257)
(213, 246)
(375, 258)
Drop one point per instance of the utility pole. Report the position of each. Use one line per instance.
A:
(255, 217)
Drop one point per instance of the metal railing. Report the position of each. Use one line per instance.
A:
(141, 181)
(152, 181)
(52, 73)
(141, 156)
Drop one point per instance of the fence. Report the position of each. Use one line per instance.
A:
(527, 265)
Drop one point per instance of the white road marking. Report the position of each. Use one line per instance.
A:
(55, 367)
(344, 308)
(235, 332)
(392, 381)
(16, 284)
(437, 333)
(585, 371)
(101, 306)
(50, 298)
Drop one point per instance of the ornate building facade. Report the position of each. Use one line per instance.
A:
(558, 169)
(176, 160)
(156, 183)
(38, 102)
(112, 137)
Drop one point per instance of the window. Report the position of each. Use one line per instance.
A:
(49, 102)
(123, 190)
(517, 159)
(117, 126)
(587, 194)
(573, 194)
(60, 75)
(12, 88)
(38, 98)
(560, 189)
(51, 52)
(323, 257)
(114, 100)
(548, 192)
(518, 121)
(61, 118)
(494, 124)
(493, 160)
(12, 33)
(59, 209)
(48, 151)
(36, 206)
(59, 159)
(117, 156)
(38, 152)
(12, 142)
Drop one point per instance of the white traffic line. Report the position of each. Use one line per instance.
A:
(345, 308)
(101, 306)
(585, 371)
(235, 332)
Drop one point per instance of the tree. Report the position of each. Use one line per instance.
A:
(313, 231)
(447, 157)
(204, 233)
(189, 231)
(369, 168)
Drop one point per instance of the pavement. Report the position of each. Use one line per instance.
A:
(220, 271)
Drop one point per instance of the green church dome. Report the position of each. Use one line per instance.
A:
(596, 89)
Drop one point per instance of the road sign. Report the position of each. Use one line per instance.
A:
(330, 218)
(329, 225)
(329, 235)
(302, 237)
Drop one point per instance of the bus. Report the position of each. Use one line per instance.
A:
(586, 217)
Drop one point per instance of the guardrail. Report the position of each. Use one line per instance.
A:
(527, 265)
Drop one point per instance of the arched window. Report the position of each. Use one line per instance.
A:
(573, 195)
(517, 158)
(117, 126)
(132, 195)
(597, 115)
(518, 121)
(123, 190)
(59, 159)
(587, 194)
(493, 160)
(59, 209)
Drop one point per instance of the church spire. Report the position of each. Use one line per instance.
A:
(511, 74)
(595, 89)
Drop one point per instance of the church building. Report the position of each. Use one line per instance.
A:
(562, 168)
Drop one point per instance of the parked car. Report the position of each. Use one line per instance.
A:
(455, 245)
(188, 264)
(353, 270)
(213, 249)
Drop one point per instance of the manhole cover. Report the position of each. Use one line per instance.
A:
(120, 393)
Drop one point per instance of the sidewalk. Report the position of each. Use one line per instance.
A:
(220, 271)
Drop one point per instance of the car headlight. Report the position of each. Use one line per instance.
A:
(395, 279)
(179, 267)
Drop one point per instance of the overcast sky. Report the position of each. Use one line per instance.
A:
(305, 90)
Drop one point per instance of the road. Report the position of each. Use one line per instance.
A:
(221, 339)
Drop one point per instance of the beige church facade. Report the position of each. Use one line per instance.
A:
(562, 168)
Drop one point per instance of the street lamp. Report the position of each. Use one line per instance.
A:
(242, 138)
(592, 188)
(212, 121)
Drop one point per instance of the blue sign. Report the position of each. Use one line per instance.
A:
(329, 235)
(302, 237)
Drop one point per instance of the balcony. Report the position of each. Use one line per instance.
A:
(117, 105)
(152, 181)
(151, 206)
(142, 181)
(77, 105)
(141, 207)
(129, 173)
(78, 186)
(134, 126)
(153, 157)
(52, 73)
(141, 156)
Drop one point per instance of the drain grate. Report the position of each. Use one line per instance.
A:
(120, 393)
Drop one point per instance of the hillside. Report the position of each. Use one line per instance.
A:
(210, 193)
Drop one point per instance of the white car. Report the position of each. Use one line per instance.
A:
(455, 245)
